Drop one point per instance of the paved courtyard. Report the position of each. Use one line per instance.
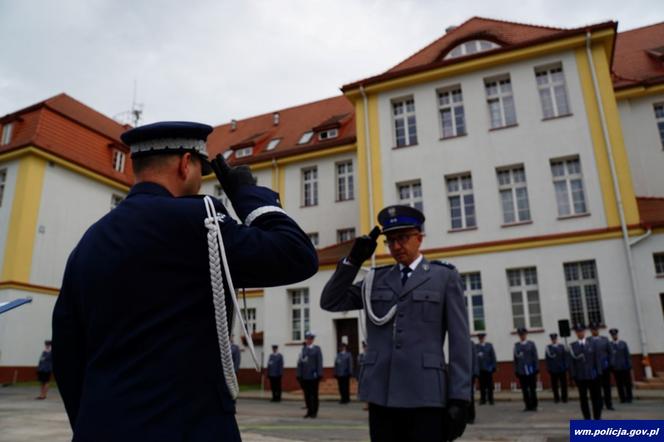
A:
(24, 419)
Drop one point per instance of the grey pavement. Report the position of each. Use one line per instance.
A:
(22, 418)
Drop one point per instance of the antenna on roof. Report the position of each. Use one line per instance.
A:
(132, 116)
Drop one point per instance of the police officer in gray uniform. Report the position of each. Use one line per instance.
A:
(621, 365)
(275, 370)
(487, 366)
(557, 361)
(310, 372)
(526, 366)
(235, 352)
(413, 394)
(476, 375)
(586, 369)
(604, 351)
(343, 369)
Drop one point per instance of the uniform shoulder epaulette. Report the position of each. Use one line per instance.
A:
(442, 262)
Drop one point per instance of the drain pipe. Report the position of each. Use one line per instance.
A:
(367, 139)
(621, 212)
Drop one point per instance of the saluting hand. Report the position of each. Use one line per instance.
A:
(231, 178)
(364, 247)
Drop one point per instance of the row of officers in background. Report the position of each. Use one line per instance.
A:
(589, 361)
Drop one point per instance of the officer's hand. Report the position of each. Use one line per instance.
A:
(231, 178)
(456, 415)
(364, 247)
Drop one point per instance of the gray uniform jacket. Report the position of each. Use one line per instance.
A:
(557, 359)
(585, 362)
(603, 349)
(405, 363)
(343, 364)
(310, 363)
(526, 361)
(486, 356)
(235, 352)
(275, 365)
(620, 356)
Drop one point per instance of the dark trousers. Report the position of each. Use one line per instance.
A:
(387, 424)
(310, 387)
(471, 404)
(623, 384)
(559, 386)
(344, 388)
(486, 386)
(528, 389)
(594, 387)
(605, 380)
(275, 386)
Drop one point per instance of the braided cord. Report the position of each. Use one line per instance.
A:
(366, 292)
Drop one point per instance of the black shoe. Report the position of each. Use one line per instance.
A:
(491, 402)
(555, 401)
(611, 408)
(305, 416)
(482, 402)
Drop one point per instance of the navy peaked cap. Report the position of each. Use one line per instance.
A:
(613, 331)
(579, 327)
(553, 335)
(481, 335)
(521, 330)
(400, 217)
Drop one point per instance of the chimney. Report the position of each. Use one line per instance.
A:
(233, 125)
(275, 118)
(450, 29)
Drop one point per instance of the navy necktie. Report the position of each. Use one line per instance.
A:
(404, 275)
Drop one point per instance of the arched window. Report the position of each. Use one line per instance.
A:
(471, 47)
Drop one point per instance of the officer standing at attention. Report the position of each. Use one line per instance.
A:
(557, 362)
(586, 369)
(235, 352)
(136, 311)
(487, 366)
(526, 366)
(343, 369)
(476, 375)
(275, 370)
(310, 371)
(604, 351)
(621, 365)
(410, 307)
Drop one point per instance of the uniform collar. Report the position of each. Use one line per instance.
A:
(149, 188)
(413, 265)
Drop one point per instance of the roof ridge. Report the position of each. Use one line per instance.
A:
(63, 95)
(640, 28)
(553, 28)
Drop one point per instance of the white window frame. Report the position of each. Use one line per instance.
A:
(328, 134)
(314, 237)
(119, 159)
(250, 319)
(568, 187)
(344, 235)
(552, 91)
(3, 180)
(658, 260)
(306, 137)
(472, 286)
(527, 286)
(116, 199)
(244, 152)
(450, 103)
(463, 191)
(513, 194)
(659, 118)
(299, 309)
(345, 180)
(471, 47)
(500, 101)
(7, 130)
(409, 193)
(310, 186)
(273, 144)
(403, 113)
(582, 281)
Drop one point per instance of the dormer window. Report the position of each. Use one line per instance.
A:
(244, 152)
(273, 144)
(328, 134)
(7, 130)
(119, 160)
(228, 154)
(471, 47)
(306, 137)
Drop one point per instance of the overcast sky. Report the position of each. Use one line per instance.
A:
(214, 60)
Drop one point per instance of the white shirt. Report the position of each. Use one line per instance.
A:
(413, 265)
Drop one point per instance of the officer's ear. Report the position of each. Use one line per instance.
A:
(184, 165)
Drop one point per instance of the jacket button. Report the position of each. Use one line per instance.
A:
(398, 346)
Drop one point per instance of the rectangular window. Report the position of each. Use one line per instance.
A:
(513, 194)
(7, 130)
(659, 116)
(119, 160)
(524, 296)
(310, 186)
(500, 101)
(657, 257)
(405, 126)
(116, 200)
(244, 152)
(461, 201)
(3, 180)
(345, 184)
(250, 319)
(568, 184)
(552, 91)
(583, 292)
(450, 108)
(410, 194)
(299, 313)
(328, 134)
(344, 235)
(472, 286)
(313, 236)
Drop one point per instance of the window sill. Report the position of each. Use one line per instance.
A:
(311, 205)
(503, 127)
(557, 117)
(452, 137)
(530, 331)
(477, 333)
(405, 145)
(660, 276)
(577, 215)
(463, 229)
(293, 343)
(343, 201)
(519, 223)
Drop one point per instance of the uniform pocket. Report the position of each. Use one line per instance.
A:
(429, 302)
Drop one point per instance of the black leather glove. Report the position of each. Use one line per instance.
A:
(454, 421)
(231, 178)
(364, 247)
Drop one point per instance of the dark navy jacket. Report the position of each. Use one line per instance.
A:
(620, 357)
(557, 359)
(343, 364)
(526, 362)
(310, 363)
(486, 356)
(603, 350)
(585, 361)
(135, 346)
(275, 365)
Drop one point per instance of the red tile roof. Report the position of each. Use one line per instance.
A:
(333, 254)
(651, 211)
(639, 57)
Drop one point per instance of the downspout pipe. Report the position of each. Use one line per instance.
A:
(621, 212)
(367, 139)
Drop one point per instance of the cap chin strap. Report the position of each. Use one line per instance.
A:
(215, 246)
(366, 297)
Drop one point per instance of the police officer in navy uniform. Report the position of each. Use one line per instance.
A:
(343, 369)
(604, 351)
(586, 370)
(275, 370)
(476, 375)
(411, 307)
(235, 352)
(486, 356)
(310, 372)
(621, 365)
(526, 366)
(557, 363)
(136, 349)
